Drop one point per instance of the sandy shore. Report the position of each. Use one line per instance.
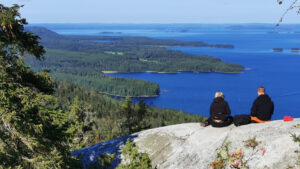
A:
(109, 71)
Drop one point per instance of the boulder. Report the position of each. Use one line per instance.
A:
(190, 146)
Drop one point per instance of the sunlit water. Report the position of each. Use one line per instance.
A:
(193, 92)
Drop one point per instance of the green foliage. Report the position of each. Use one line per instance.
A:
(224, 159)
(33, 129)
(38, 130)
(112, 85)
(81, 60)
(134, 159)
(114, 53)
(106, 118)
(295, 137)
(77, 115)
(128, 111)
(14, 38)
(297, 140)
(105, 160)
(228, 157)
(252, 142)
(134, 114)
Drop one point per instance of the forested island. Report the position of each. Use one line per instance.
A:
(83, 59)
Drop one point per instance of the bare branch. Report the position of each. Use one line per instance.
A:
(292, 6)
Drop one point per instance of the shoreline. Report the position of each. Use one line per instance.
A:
(149, 71)
(142, 96)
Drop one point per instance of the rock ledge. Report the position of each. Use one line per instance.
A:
(190, 146)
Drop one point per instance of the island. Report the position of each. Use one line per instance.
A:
(107, 32)
(295, 49)
(82, 60)
(277, 49)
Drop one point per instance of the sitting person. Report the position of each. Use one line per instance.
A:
(263, 107)
(219, 112)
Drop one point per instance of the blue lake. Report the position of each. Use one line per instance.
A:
(278, 72)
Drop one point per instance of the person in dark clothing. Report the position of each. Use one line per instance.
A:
(262, 108)
(219, 112)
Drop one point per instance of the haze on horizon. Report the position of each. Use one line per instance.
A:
(154, 11)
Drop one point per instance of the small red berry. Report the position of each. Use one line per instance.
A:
(236, 164)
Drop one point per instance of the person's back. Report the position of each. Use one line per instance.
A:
(263, 107)
(219, 109)
(219, 112)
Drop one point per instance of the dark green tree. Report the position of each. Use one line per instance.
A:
(134, 115)
(128, 112)
(105, 160)
(141, 110)
(33, 129)
(140, 119)
(135, 159)
(77, 116)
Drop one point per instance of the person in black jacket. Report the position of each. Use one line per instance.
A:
(219, 112)
(262, 108)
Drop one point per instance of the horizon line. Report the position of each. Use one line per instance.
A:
(162, 23)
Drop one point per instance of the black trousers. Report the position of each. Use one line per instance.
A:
(225, 123)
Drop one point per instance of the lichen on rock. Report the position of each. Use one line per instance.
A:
(189, 146)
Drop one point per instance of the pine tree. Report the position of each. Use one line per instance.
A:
(33, 129)
(134, 159)
(79, 124)
(140, 116)
(128, 113)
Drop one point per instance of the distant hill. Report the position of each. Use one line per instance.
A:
(45, 33)
(42, 32)
(82, 59)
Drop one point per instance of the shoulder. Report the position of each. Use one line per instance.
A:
(225, 102)
(257, 98)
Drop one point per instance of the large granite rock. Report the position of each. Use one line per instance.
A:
(190, 146)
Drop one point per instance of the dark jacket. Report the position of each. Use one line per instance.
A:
(219, 109)
(263, 108)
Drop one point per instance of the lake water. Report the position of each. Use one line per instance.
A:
(278, 72)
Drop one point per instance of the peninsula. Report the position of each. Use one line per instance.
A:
(83, 59)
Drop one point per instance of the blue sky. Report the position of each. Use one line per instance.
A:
(154, 11)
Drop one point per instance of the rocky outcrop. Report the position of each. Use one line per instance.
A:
(189, 146)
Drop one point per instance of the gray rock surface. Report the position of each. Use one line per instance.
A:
(190, 146)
